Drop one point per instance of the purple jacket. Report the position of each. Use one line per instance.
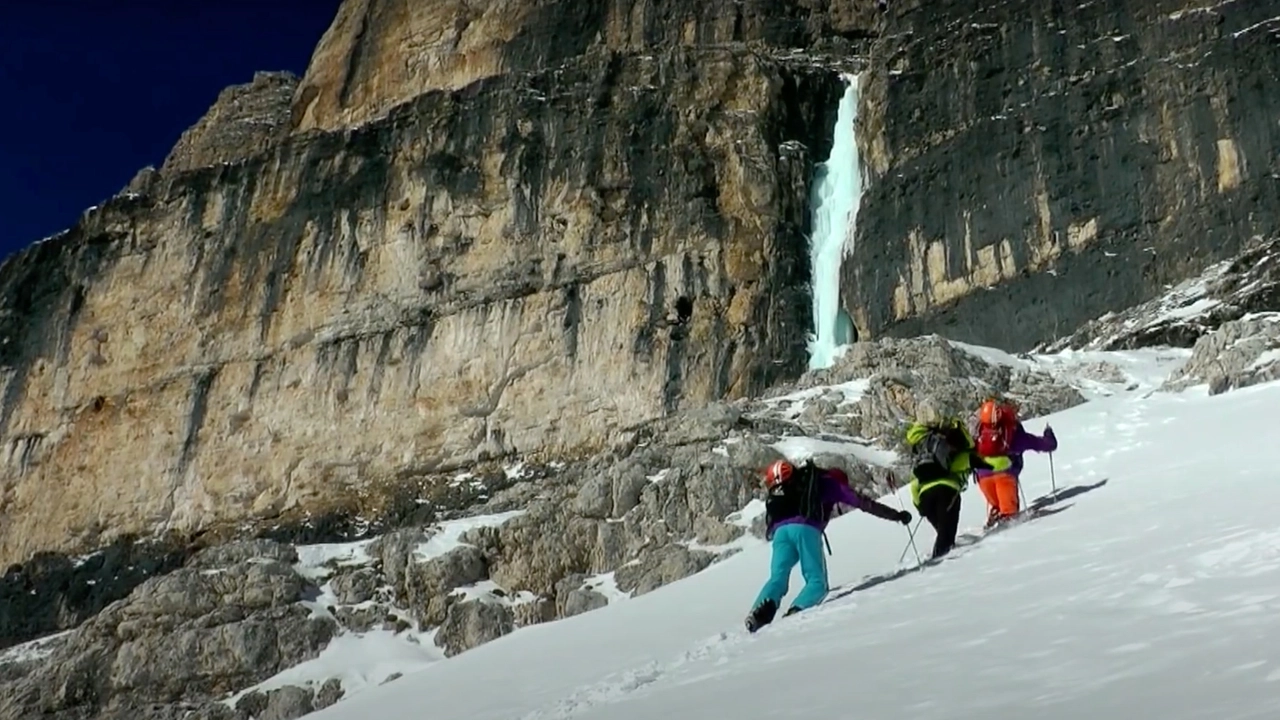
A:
(1024, 442)
(835, 492)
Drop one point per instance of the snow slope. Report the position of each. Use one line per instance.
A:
(1152, 594)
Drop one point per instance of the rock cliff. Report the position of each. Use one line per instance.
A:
(1032, 166)
(275, 328)
(381, 53)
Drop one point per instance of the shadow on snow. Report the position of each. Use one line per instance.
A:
(1038, 508)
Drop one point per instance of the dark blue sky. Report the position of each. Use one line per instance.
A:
(93, 90)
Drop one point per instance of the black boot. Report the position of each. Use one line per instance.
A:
(762, 615)
(993, 518)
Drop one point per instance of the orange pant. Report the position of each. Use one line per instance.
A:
(1001, 491)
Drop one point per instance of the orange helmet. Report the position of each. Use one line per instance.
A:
(777, 473)
(995, 413)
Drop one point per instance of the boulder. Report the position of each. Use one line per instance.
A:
(355, 586)
(471, 623)
(660, 567)
(429, 583)
(329, 693)
(1238, 354)
(538, 548)
(580, 600)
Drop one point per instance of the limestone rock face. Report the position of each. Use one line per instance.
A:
(380, 53)
(244, 121)
(528, 265)
(1077, 160)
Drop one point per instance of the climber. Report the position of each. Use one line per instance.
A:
(999, 434)
(942, 456)
(798, 506)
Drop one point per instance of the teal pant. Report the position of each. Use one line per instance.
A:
(796, 543)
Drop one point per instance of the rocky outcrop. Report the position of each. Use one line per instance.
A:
(288, 702)
(1239, 354)
(1032, 166)
(244, 121)
(871, 392)
(52, 592)
(1230, 290)
(184, 638)
(670, 484)
(529, 265)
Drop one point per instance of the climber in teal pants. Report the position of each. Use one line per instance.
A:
(796, 543)
(801, 501)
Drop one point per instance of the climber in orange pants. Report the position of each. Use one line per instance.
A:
(1001, 491)
(1001, 440)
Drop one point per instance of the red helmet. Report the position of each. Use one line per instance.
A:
(777, 473)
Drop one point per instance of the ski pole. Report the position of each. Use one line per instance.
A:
(911, 534)
(1053, 480)
(911, 543)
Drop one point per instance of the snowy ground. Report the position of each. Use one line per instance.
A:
(1152, 594)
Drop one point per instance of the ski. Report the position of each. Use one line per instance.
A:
(1023, 516)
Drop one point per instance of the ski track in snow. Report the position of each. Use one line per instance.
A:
(1153, 583)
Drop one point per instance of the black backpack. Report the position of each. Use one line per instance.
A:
(932, 456)
(800, 495)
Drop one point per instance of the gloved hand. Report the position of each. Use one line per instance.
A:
(1051, 438)
(904, 517)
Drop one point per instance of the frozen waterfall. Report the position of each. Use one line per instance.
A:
(837, 190)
